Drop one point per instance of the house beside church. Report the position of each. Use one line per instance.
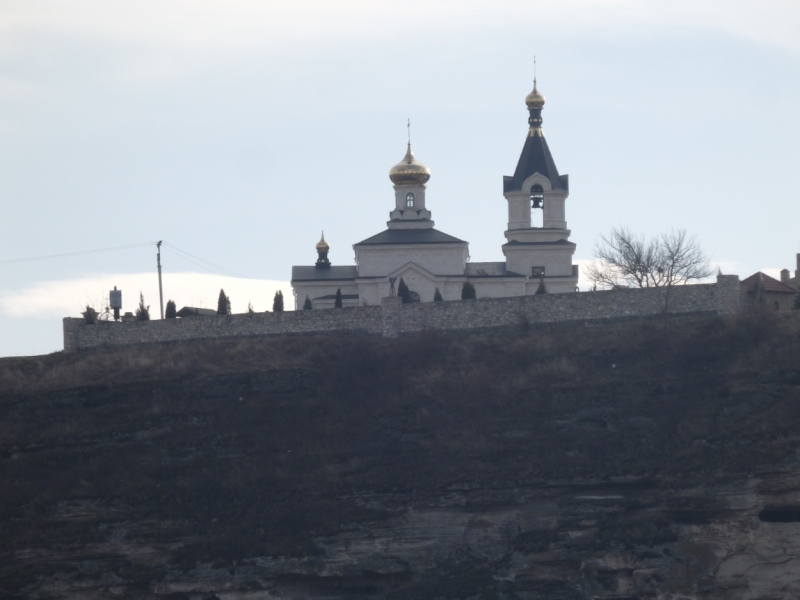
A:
(427, 259)
(763, 291)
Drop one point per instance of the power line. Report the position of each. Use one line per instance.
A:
(203, 264)
(34, 258)
(224, 270)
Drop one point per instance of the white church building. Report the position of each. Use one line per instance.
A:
(427, 259)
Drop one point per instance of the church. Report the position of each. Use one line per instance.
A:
(427, 259)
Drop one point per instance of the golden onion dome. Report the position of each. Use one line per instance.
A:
(409, 171)
(534, 99)
(322, 245)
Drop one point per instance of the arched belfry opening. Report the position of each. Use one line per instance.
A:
(537, 202)
(537, 196)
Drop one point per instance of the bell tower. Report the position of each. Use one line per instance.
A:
(545, 251)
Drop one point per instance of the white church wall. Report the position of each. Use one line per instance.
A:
(488, 288)
(519, 210)
(438, 259)
(326, 303)
(401, 192)
(557, 286)
(554, 211)
(426, 288)
(450, 288)
(556, 261)
(371, 292)
(316, 290)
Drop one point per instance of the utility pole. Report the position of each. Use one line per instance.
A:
(160, 290)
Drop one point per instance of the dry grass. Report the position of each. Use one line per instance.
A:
(154, 362)
(545, 355)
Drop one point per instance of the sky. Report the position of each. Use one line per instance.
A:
(236, 131)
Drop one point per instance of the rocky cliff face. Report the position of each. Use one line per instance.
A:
(639, 461)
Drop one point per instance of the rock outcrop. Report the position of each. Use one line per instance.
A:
(652, 461)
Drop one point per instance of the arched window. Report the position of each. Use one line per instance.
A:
(410, 200)
(537, 196)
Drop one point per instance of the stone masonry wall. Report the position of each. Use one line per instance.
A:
(393, 318)
(362, 320)
(528, 311)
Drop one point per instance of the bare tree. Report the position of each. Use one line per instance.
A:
(627, 260)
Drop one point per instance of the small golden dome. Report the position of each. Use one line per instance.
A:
(409, 171)
(322, 245)
(534, 99)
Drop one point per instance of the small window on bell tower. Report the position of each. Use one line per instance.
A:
(409, 200)
(537, 196)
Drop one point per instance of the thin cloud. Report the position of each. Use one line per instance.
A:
(244, 25)
(156, 43)
(68, 298)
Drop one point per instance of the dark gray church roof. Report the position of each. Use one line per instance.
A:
(410, 236)
(535, 158)
(333, 297)
(489, 270)
(193, 311)
(556, 243)
(344, 272)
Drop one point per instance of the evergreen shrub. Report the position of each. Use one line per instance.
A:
(542, 289)
(142, 311)
(277, 302)
(468, 291)
(223, 304)
(403, 292)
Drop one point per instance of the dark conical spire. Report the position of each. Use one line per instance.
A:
(535, 156)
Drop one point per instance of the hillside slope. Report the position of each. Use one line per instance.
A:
(633, 461)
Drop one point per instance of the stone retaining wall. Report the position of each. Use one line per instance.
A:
(362, 320)
(393, 318)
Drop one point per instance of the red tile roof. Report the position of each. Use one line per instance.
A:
(768, 284)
